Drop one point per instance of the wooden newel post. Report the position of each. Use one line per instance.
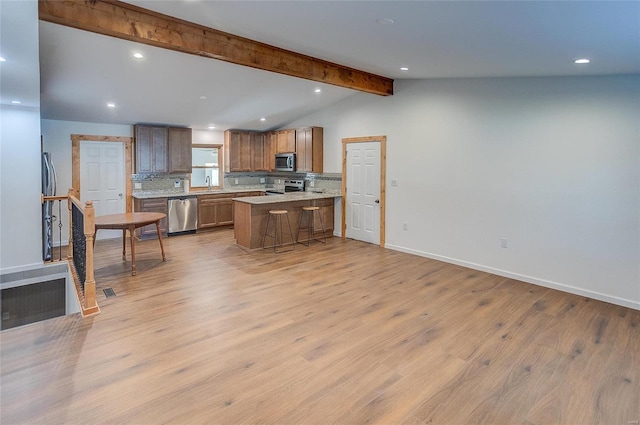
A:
(89, 233)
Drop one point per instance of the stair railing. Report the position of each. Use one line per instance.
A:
(82, 234)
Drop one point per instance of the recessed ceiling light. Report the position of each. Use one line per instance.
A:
(385, 21)
(16, 102)
(212, 127)
(138, 55)
(581, 61)
(318, 90)
(203, 97)
(263, 119)
(111, 105)
(2, 59)
(404, 68)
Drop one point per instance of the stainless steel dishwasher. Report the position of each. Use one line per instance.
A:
(183, 215)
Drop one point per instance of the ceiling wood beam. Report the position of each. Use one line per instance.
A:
(129, 22)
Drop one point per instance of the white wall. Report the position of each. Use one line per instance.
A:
(20, 188)
(207, 137)
(551, 164)
(20, 180)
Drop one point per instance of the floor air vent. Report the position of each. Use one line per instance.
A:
(109, 292)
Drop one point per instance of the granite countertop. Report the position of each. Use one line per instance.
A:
(156, 194)
(289, 197)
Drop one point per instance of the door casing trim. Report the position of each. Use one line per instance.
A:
(75, 167)
(383, 177)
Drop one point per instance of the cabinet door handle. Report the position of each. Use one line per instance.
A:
(377, 201)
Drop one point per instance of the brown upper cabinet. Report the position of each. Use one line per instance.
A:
(255, 151)
(271, 145)
(286, 141)
(162, 149)
(261, 145)
(309, 149)
(237, 145)
(151, 149)
(180, 150)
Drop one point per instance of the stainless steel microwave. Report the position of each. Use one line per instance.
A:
(285, 161)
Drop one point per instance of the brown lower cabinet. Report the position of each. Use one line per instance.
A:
(326, 211)
(215, 210)
(158, 205)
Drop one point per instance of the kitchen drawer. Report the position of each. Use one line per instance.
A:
(158, 205)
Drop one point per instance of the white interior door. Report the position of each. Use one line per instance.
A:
(102, 179)
(363, 192)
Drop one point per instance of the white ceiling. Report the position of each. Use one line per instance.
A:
(81, 72)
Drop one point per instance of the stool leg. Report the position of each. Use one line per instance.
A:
(303, 215)
(310, 228)
(324, 237)
(266, 230)
(299, 226)
(293, 243)
(275, 241)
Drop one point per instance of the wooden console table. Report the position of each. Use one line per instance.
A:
(130, 222)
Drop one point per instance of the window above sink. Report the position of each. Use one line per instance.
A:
(206, 171)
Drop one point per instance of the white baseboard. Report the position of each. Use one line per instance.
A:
(528, 279)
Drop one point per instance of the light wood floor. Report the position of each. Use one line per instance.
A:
(343, 333)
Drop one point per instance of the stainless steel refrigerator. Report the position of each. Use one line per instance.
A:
(48, 189)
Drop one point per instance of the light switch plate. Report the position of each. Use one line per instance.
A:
(176, 183)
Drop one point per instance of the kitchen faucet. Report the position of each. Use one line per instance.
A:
(207, 180)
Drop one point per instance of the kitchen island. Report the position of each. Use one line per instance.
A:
(250, 214)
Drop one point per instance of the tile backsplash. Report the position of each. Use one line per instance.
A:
(319, 182)
(160, 183)
(166, 184)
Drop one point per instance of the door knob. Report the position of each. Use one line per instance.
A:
(377, 201)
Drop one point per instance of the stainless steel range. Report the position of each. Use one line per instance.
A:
(289, 186)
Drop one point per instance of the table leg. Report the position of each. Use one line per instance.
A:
(133, 253)
(160, 239)
(124, 244)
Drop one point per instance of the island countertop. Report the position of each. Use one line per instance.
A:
(288, 197)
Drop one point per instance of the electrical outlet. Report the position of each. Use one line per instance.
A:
(312, 183)
(176, 183)
(137, 185)
(504, 243)
(405, 226)
(394, 182)
(262, 180)
(235, 181)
